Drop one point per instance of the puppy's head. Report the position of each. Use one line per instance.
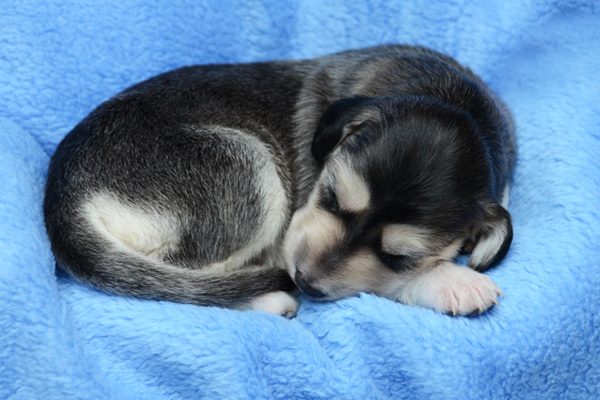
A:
(405, 181)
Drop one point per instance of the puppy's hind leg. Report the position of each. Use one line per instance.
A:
(279, 302)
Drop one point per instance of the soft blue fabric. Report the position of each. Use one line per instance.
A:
(59, 340)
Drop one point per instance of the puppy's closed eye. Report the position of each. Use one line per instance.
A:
(329, 201)
(396, 262)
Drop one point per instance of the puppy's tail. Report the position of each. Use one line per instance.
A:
(94, 262)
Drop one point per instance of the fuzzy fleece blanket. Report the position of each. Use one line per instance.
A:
(59, 340)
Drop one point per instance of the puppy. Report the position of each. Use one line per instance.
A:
(223, 185)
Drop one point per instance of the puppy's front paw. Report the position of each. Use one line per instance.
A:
(451, 289)
(279, 302)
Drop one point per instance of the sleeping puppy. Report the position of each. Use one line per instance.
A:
(363, 171)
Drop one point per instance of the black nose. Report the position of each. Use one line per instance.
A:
(306, 288)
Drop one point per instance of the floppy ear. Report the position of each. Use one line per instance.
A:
(336, 123)
(493, 236)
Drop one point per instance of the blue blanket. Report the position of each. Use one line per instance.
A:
(60, 340)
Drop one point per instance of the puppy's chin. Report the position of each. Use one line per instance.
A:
(324, 299)
(360, 272)
(344, 290)
(326, 293)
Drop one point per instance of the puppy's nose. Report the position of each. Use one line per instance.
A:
(306, 288)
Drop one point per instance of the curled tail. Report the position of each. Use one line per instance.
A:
(95, 260)
(129, 274)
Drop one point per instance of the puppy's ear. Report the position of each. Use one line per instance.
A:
(492, 237)
(337, 122)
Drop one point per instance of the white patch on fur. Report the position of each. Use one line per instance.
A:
(402, 239)
(505, 197)
(279, 302)
(148, 232)
(352, 192)
(488, 246)
(451, 289)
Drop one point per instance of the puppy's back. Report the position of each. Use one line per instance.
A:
(161, 191)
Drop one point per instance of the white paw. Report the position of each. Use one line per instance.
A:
(451, 289)
(281, 303)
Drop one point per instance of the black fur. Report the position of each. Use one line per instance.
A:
(332, 124)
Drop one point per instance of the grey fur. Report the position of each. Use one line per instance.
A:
(192, 149)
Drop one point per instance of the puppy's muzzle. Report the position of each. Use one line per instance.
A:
(306, 288)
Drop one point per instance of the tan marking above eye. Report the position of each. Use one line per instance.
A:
(402, 239)
(351, 190)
